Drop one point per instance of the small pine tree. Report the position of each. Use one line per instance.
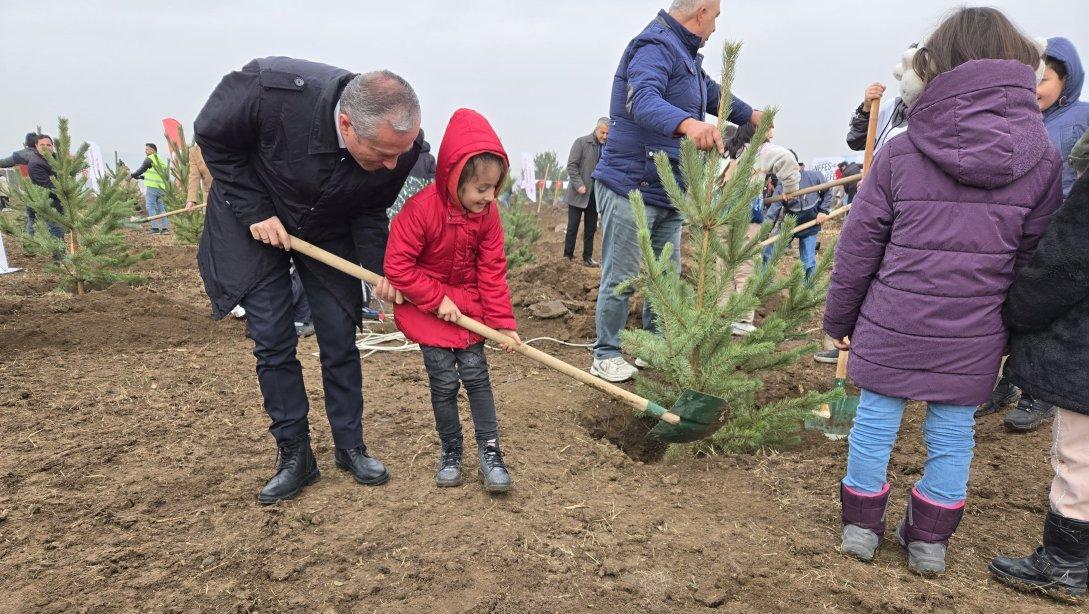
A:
(694, 309)
(186, 226)
(408, 190)
(93, 252)
(521, 229)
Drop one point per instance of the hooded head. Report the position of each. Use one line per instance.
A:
(970, 33)
(980, 123)
(469, 135)
(1064, 66)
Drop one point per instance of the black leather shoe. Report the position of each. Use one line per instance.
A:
(1059, 569)
(590, 262)
(1029, 415)
(493, 470)
(296, 468)
(1003, 395)
(366, 470)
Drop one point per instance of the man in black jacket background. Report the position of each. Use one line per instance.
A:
(41, 174)
(318, 152)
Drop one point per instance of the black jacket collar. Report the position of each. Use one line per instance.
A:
(323, 136)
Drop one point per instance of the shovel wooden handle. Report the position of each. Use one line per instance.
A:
(871, 139)
(811, 189)
(634, 400)
(871, 135)
(841, 365)
(144, 220)
(831, 216)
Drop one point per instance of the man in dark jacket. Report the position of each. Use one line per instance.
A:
(318, 152)
(852, 169)
(660, 93)
(1047, 311)
(41, 174)
(579, 198)
(22, 157)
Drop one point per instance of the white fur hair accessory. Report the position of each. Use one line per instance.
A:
(912, 85)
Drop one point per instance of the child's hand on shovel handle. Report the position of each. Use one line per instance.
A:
(448, 311)
(388, 293)
(514, 336)
(843, 345)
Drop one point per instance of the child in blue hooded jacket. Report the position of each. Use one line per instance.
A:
(1066, 119)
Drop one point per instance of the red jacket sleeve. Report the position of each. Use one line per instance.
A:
(491, 275)
(407, 237)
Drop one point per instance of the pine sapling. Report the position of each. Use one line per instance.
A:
(80, 231)
(521, 229)
(187, 226)
(693, 309)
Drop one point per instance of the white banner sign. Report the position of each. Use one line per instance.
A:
(96, 166)
(4, 268)
(529, 176)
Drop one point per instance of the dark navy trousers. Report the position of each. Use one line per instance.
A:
(271, 317)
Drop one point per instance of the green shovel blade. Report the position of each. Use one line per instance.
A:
(843, 409)
(700, 416)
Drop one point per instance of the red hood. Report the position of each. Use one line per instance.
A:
(467, 135)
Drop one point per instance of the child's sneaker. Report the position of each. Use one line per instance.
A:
(449, 472)
(493, 470)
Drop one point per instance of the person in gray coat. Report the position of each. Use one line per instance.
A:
(579, 197)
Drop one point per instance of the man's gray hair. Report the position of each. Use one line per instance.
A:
(372, 97)
(685, 7)
(603, 121)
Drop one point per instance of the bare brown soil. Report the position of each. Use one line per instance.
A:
(134, 444)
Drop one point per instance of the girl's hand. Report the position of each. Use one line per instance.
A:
(448, 311)
(843, 345)
(514, 336)
(388, 293)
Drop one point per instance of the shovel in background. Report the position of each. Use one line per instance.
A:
(834, 419)
(694, 417)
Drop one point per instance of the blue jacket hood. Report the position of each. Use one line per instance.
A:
(1067, 119)
(1063, 50)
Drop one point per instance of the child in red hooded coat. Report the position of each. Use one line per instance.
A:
(445, 254)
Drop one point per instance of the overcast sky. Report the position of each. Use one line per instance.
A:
(539, 70)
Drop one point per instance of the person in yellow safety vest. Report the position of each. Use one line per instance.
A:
(155, 173)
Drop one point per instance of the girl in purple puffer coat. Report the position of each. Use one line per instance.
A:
(947, 213)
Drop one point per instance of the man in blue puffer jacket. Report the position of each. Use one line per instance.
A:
(660, 94)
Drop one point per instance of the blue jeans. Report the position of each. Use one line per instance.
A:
(154, 205)
(949, 432)
(32, 222)
(620, 261)
(807, 253)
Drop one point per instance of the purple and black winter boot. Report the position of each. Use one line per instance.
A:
(863, 521)
(925, 533)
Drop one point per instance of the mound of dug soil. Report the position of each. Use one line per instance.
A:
(117, 317)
